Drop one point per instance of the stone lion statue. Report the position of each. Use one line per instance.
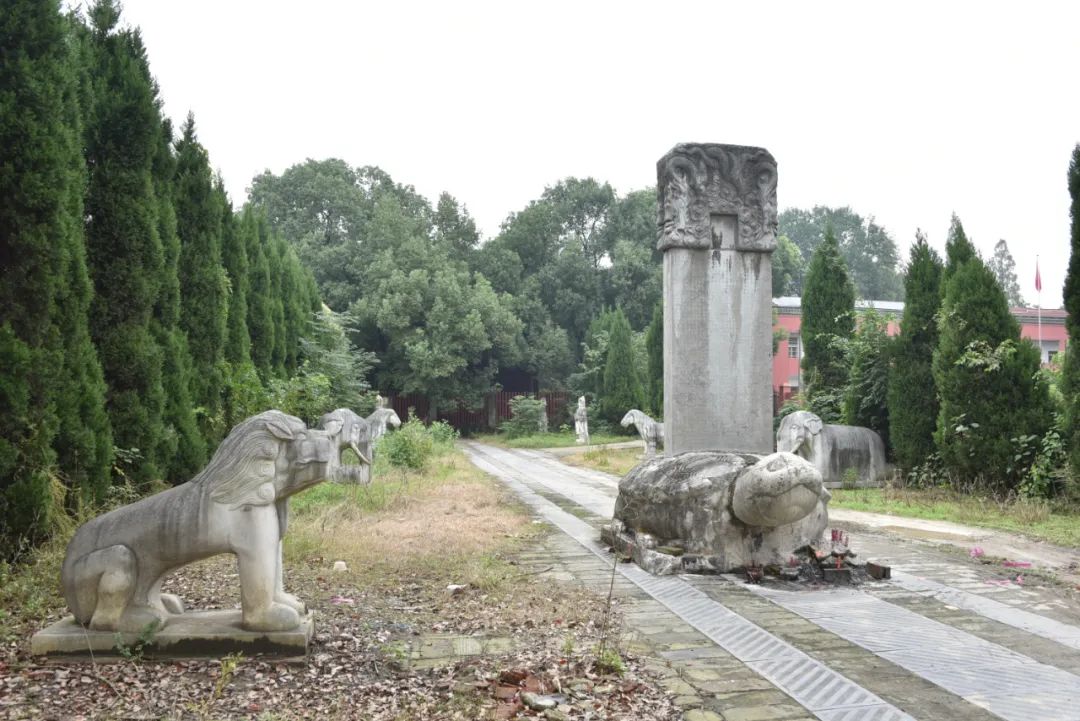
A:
(238, 504)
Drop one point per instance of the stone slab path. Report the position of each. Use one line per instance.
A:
(945, 639)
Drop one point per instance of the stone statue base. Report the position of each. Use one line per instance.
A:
(712, 512)
(208, 634)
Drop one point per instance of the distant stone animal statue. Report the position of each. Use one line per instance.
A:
(834, 450)
(379, 419)
(115, 563)
(581, 421)
(651, 432)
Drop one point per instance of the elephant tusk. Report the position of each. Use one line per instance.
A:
(363, 458)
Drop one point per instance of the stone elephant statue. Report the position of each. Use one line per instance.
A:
(238, 504)
(833, 449)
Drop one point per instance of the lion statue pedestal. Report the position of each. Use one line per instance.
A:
(238, 504)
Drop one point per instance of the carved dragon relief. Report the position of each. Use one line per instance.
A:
(698, 181)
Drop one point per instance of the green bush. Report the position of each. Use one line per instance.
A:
(524, 417)
(410, 446)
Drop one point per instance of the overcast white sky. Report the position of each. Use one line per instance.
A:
(907, 112)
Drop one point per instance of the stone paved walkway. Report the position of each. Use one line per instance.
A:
(716, 678)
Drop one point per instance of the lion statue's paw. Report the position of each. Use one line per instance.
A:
(276, 617)
(292, 601)
(172, 603)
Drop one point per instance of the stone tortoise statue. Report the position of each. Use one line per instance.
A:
(238, 504)
(833, 449)
(715, 511)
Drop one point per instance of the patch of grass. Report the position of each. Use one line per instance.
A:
(30, 590)
(548, 440)
(1036, 519)
(444, 523)
(616, 461)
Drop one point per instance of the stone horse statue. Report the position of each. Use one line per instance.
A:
(651, 432)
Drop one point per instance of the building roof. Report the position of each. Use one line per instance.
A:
(792, 305)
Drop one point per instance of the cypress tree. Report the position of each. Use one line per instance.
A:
(40, 253)
(1070, 376)
(828, 320)
(987, 381)
(912, 399)
(234, 257)
(276, 264)
(83, 443)
(204, 295)
(865, 401)
(622, 387)
(124, 248)
(183, 450)
(260, 321)
(654, 342)
(958, 250)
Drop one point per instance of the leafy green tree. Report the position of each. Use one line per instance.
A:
(437, 328)
(455, 227)
(183, 450)
(987, 379)
(828, 321)
(204, 287)
(865, 399)
(582, 207)
(549, 356)
(49, 373)
(635, 282)
(1070, 376)
(654, 343)
(787, 268)
(912, 394)
(1003, 267)
(622, 386)
(633, 218)
(124, 248)
(869, 251)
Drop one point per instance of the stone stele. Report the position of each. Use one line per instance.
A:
(717, 512)
(238, 504)
(717, 231)
(717, 501)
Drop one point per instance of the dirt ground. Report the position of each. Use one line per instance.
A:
(433, 620)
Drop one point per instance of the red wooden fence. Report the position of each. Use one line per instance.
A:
(495, 409)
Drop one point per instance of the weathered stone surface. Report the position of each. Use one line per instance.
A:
(581, 421)
(379, 419)
(651, 432)
(698, 181)
(238, 504)
(198, 633)
(717, 228)
(833, 449)
(727, 510)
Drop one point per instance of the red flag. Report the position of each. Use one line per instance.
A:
(1038, 278)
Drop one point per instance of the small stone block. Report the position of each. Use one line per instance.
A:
(839, 576)
(194, 634)
(878, 571)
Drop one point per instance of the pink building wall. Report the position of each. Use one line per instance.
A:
(786, 361)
